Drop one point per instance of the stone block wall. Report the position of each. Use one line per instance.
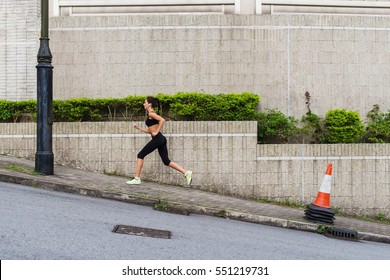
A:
(341, 60)
(360, 180)
(220, 153)
(19, 43)
(225, 158)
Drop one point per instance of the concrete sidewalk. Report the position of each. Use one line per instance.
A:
(179, 200)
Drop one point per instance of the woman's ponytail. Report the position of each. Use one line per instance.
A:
(158, 103)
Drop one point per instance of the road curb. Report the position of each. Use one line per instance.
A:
(373, 237)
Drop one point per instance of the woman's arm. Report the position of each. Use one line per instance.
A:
(161, 122)
(144, 130)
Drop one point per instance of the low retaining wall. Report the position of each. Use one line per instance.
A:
(360, 180)
(225, 158)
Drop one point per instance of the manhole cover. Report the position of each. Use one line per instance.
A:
(149, 232)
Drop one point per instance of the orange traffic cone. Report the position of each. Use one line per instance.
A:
(323, 196)
(319, 210)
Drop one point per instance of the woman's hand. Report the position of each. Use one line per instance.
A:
(136, 126)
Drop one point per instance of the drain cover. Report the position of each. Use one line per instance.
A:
(139, 231)
(342, 233)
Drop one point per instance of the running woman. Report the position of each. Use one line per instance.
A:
(154, 124)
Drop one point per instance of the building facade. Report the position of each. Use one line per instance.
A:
(340, 55)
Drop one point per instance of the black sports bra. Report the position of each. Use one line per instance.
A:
(150, 122)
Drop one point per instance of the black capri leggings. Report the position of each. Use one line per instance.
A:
(158, 142)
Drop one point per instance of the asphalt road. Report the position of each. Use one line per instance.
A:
(48, 225)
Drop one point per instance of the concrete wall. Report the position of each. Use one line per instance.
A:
(342, 61)
(225, 158)
(19, 42)
(360, 181)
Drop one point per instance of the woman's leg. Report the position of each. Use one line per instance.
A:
(176, 167)
(140, 164)
(163, 151)
(150, 147)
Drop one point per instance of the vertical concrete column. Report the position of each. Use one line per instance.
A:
(54, 8)
(259, 9)
(245, 7)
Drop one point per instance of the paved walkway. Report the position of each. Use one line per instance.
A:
(179, 200)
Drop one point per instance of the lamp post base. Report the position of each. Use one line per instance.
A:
(44, 163)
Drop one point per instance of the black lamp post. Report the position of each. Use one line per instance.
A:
(44, 159)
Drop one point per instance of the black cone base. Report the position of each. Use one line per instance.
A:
(319, 214)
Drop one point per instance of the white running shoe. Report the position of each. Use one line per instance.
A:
(135, 181)
(188, 176)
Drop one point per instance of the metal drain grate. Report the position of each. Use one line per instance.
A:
(342, 233)
(139, 231)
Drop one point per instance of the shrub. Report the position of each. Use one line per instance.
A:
(310, 130)
(196, 106)
(78, 109)
(378, 128)
(86, 109)
(131, 106)
(342, 126)
(274, 126)
(14, 110)
(5, 110)
(25, 107)
(238, 107)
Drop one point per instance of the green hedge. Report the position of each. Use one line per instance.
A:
(181, 106)
(338, 126)
(196, 106)
(86, 109)
(14, 110)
